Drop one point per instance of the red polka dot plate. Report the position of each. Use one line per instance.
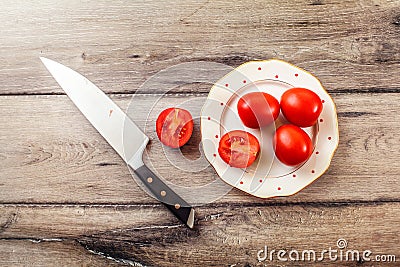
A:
(267, 176)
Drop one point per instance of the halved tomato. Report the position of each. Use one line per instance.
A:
(174, 127)
(238, 148)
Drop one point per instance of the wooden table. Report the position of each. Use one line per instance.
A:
(66, 198)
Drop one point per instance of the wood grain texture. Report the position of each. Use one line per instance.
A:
(350, 45)
(133, 234)
(67, 199)
(51, 252)
(65, 160)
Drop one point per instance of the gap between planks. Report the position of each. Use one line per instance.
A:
(373, 90)
(210, 205)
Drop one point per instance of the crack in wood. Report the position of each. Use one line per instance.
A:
(344, 202)
(102, 164)
(174, 93)
(36, 240)
(212, 216)
(135, 229)
(230, 60)
(355, 114)
(110, 252)
(10, 220)
(194, 12)
(133, 56)
(115, 259)
(306, 24)
(127, 245)
(371, 90)
(146, 236)
(396, 21)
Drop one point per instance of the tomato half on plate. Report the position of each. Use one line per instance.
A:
(238, 148)
(174, 127)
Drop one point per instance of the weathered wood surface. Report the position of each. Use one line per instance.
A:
(350, 45)
(223, 236)
(67, 199)
(65, 160)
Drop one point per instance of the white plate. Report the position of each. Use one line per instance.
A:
(267, 176)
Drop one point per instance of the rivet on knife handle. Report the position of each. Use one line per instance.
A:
(178, 206)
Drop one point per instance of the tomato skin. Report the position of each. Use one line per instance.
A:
(238, 148)
(174, 127)
(301, 106)
(292, 145)
(258, 109)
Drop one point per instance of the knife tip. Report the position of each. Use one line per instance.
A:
(44, 60)
(190, 221)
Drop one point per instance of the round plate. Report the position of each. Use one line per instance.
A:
(267, 176)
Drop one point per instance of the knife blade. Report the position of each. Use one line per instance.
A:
(112, 123)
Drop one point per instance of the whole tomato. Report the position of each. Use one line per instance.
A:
(292, 145)
(301, 106)
(258, 109)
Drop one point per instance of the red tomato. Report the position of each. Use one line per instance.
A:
(301, 106)
(174, 127)
(292, 145)
(238, 148)
(258, 109)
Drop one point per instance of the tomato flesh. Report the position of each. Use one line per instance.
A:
(258, 109)
(292, 145)
(301, 106)
(174, 127)
(238, 148)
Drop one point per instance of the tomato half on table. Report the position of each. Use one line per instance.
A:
(258, 109)
(174, 127)
(292, 145)
(238, 148)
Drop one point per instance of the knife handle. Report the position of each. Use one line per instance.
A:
(177, 205)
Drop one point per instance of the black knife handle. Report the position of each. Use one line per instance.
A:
(178, 206)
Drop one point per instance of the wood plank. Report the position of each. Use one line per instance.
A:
(223, 236)
(50, 253)
(49, 153)
(349, 45)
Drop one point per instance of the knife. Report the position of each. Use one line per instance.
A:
(112, 123)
